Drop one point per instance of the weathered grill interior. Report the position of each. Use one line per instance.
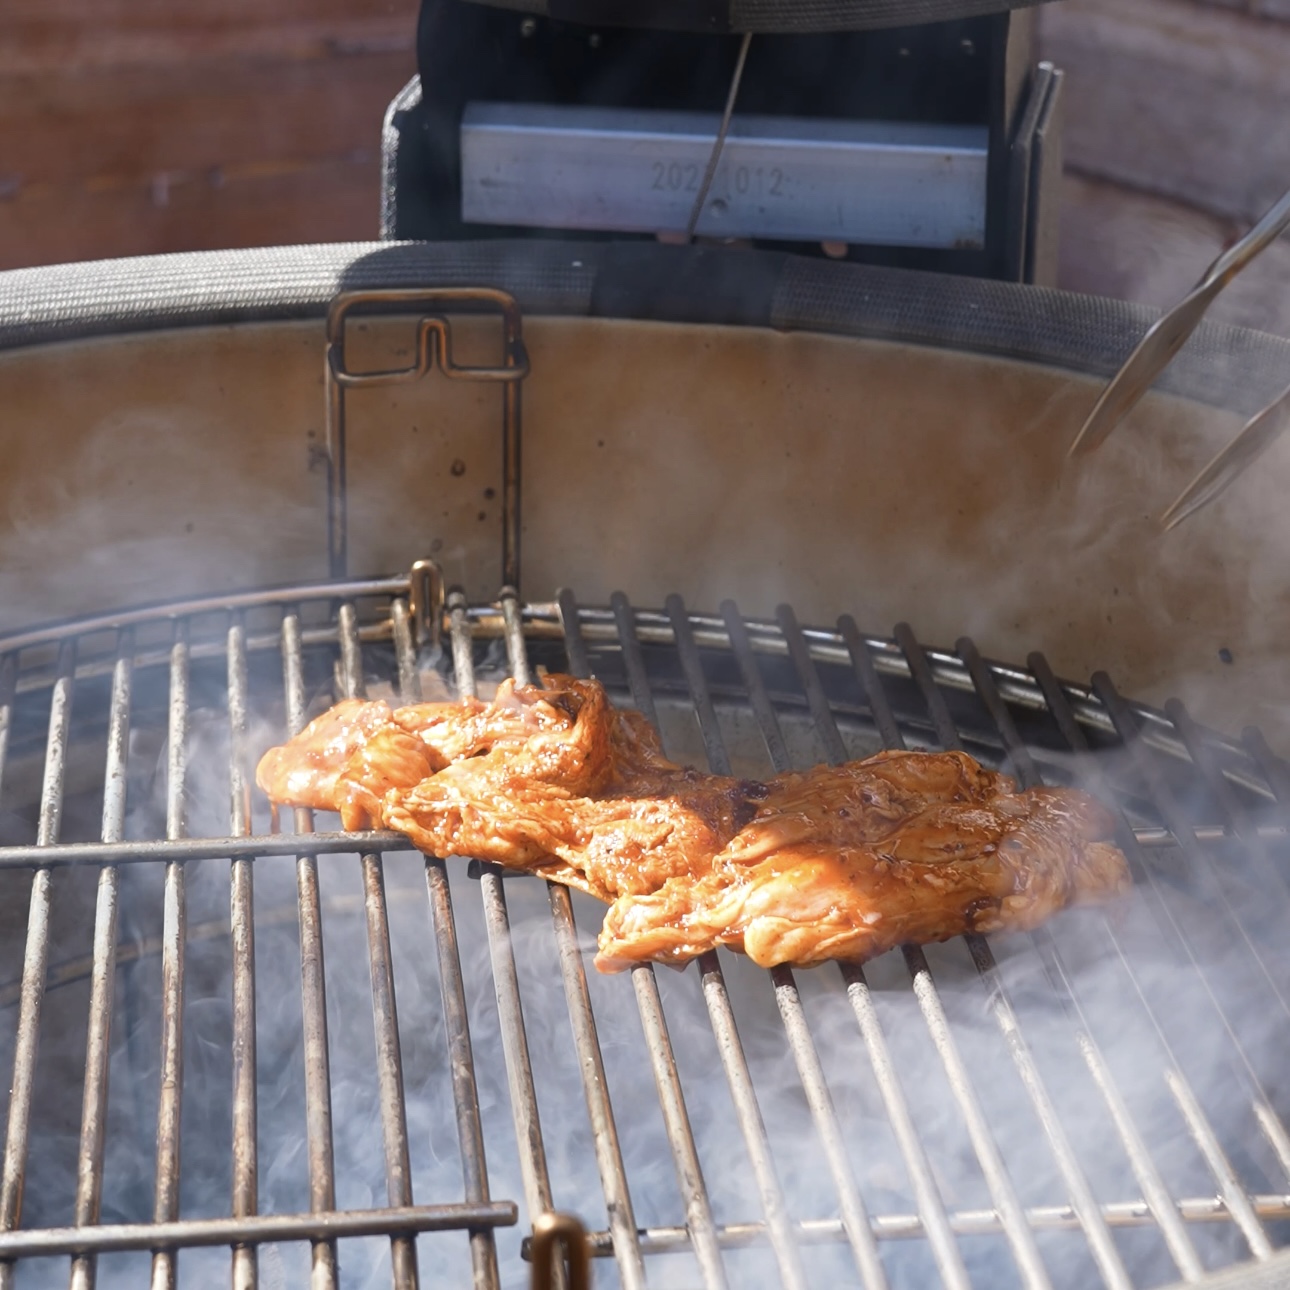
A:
(1100, 1101)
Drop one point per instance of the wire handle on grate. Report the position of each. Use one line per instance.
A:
(426, 601)
(559, 1235)
(433, 351)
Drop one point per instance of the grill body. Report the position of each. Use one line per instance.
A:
(310, 1056)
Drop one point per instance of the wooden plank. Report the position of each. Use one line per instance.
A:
(139, 126)
(332, 200)
(1136, 246)
(27, 17)
(1181, 99)
(118, 125)
(62, 46)
(1278, 9)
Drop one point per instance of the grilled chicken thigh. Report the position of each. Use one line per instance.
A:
(839, 862)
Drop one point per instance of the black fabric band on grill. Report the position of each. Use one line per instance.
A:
(1223, 366)
(686, 284)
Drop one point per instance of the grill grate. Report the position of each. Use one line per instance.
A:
(1095, 1101)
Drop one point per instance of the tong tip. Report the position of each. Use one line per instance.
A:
(1095, 429)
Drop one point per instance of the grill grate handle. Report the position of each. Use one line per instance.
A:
(434, 351)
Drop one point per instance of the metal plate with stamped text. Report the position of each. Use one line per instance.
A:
(875, 183)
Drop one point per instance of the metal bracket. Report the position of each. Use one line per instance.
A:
(434, 351)
(426, 602)
(551, 1231)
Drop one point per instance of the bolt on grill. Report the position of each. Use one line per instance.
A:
(1094, 1101)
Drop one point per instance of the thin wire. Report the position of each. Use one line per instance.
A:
(714, 159)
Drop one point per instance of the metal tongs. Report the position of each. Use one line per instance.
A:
(1156, 351)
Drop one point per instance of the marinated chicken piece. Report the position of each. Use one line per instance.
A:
(837, 862)
(307, 771)
(348, 758)
(846, 862)
(628, 840)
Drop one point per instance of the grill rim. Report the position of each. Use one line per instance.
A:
(1222, 366)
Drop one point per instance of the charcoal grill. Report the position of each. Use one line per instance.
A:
(317, 1056)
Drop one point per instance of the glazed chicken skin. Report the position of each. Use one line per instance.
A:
(846, 862)
(554, 781)
(839, 862)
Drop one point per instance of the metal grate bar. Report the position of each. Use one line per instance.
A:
(313, 987)
(987, 1152)
(174, 936)
(720, 1013)
(1100, 1241)
(1098, 1234)
(89, 1160)
(931, 1208)
(463, 659)
(1234, 1195)
(537, 1185)
(1235, 816)
(513, 633)
(506, 982)
(870, 686)
(61, 854)
(634, 658)
(36, 949)
(700, 695)
(1129, 1214)
(82, 628)
(609, 1157)
(1164, 1211)
(385, 1018)
(1061, 981)
(470, 1133)
(932, 1217)
(667, 1080)
(463, 663)
(575, 646)
(250, 847)
(1099, 1237)
(855, 1219)
(758, 695)
(1201, 864)
(835, 750)
(258, 1229)
(405, 651)
(947, 734)
(245, 1199)
(1003, 1192)
(1273, 769)
(8, 688)
(461, 1057)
